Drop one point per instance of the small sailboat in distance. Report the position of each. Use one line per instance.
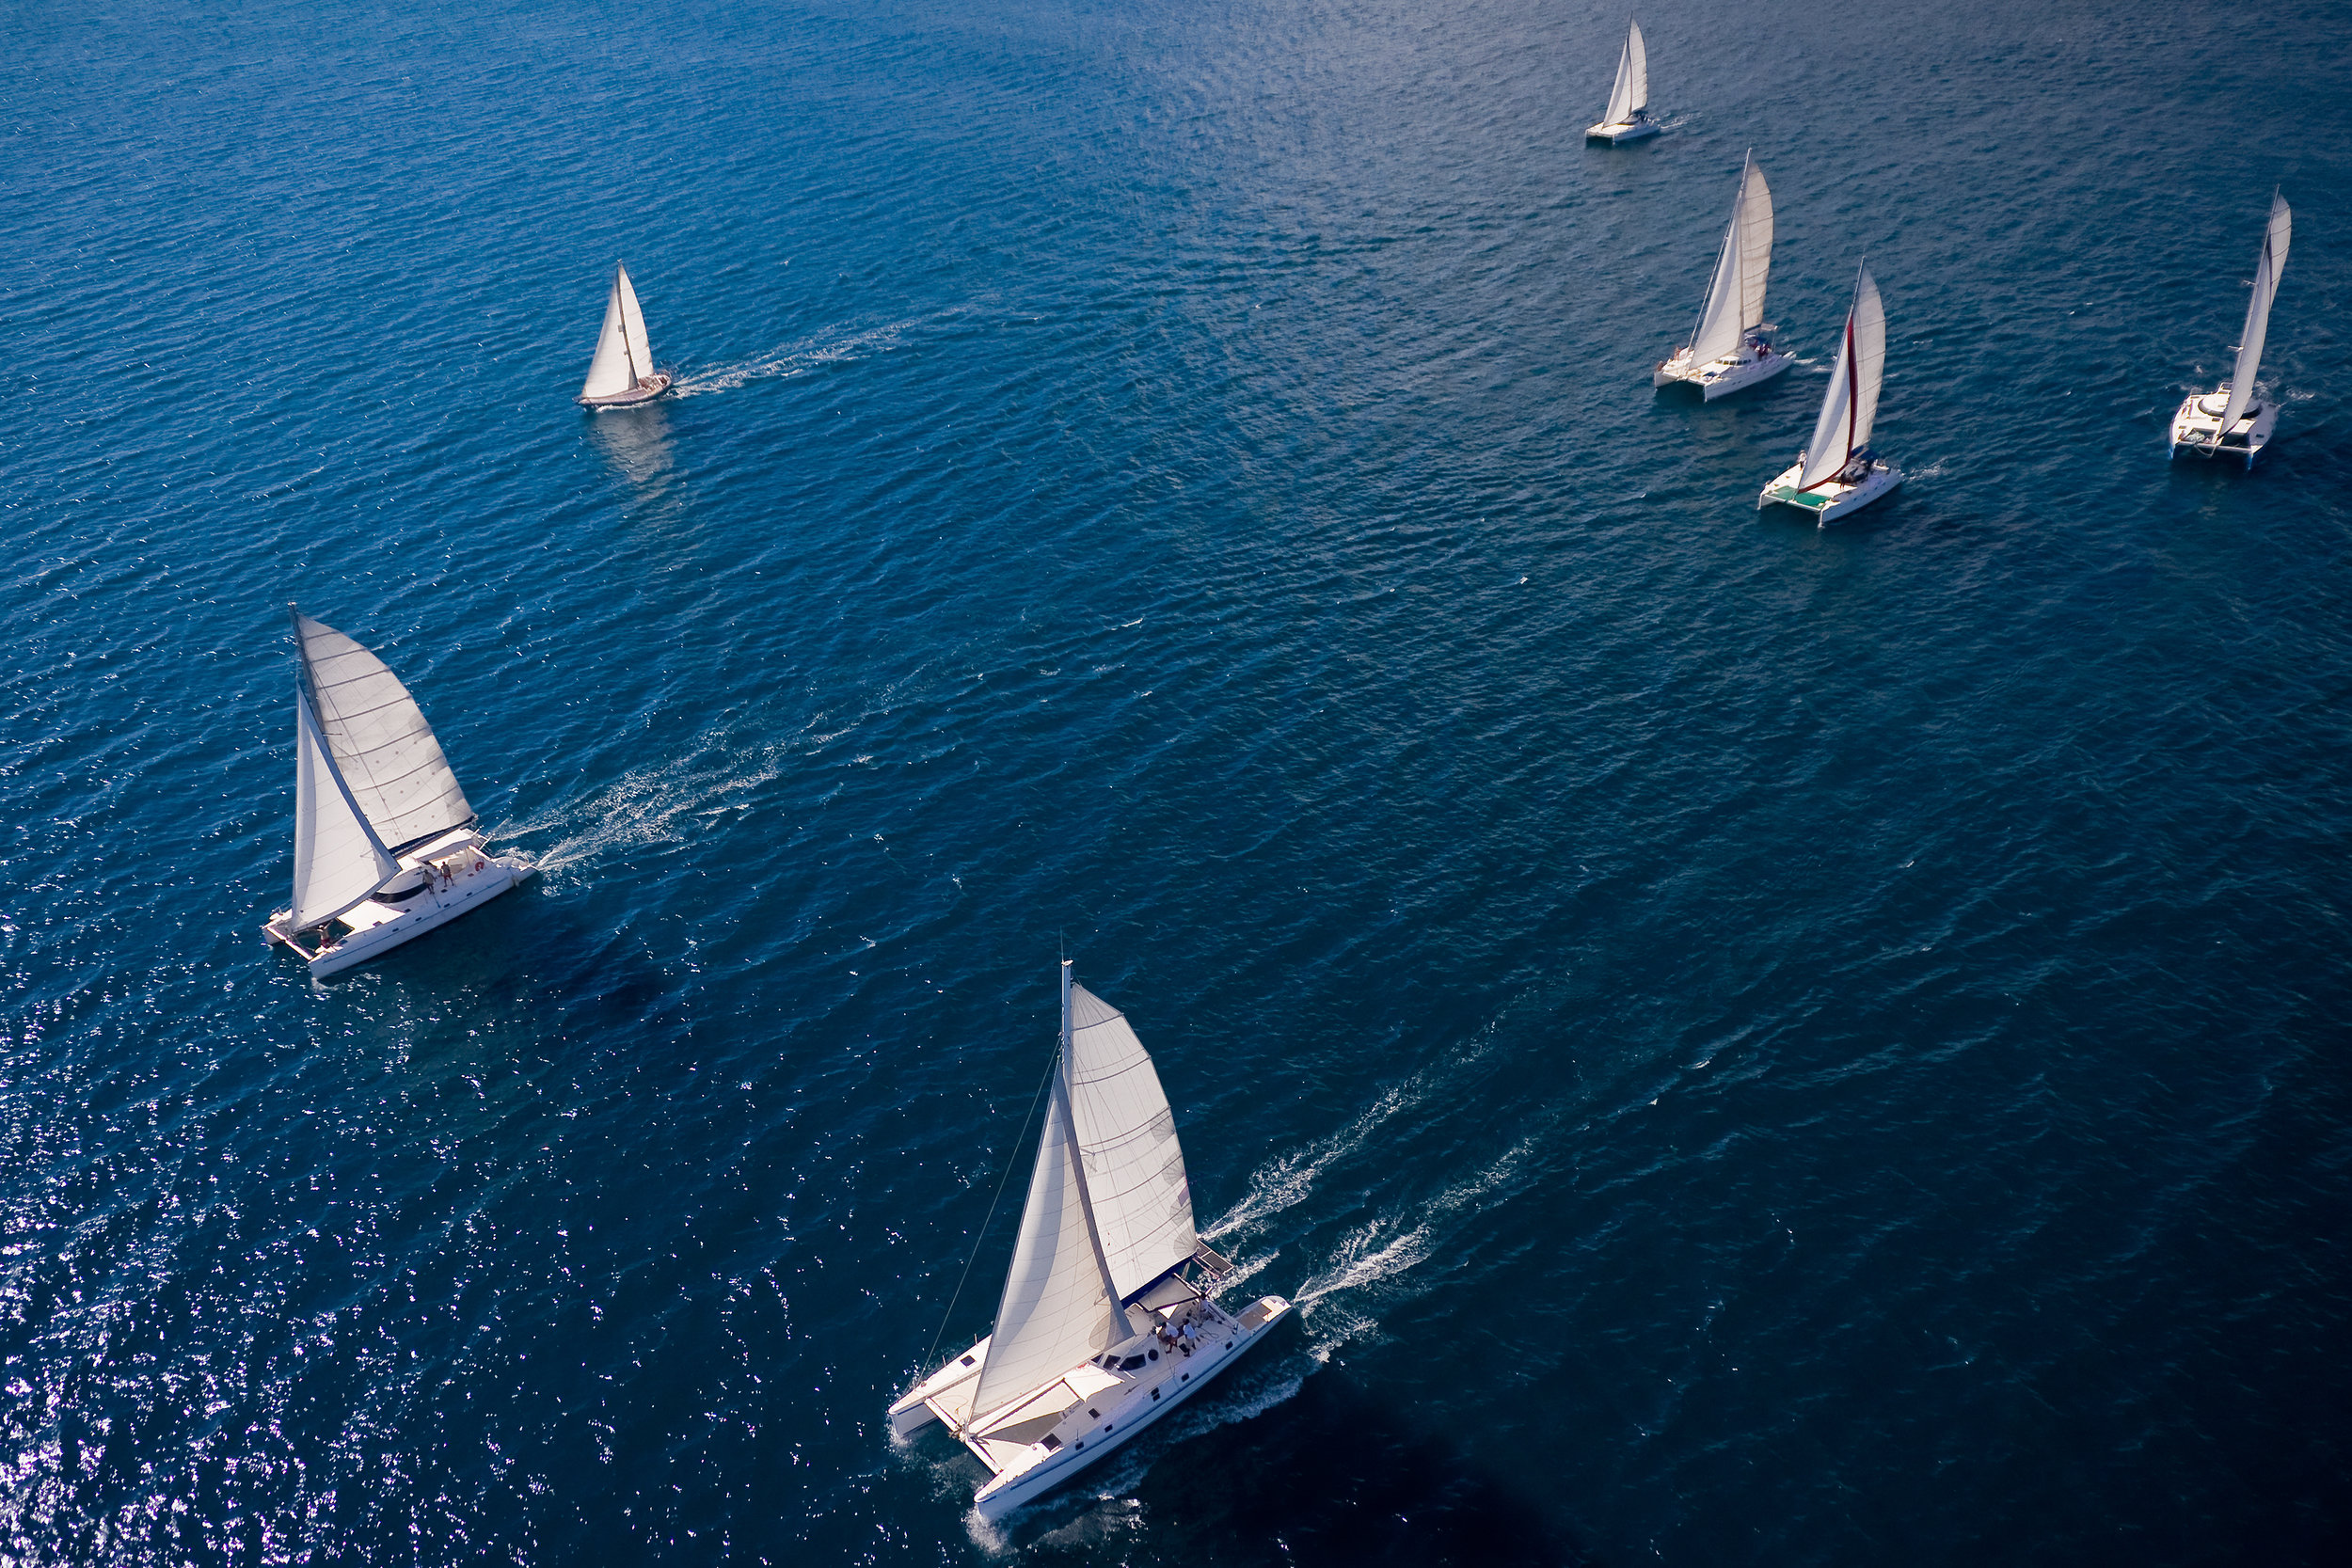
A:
(385, 845)
(1108, 1319)
(622, 373)
(1728, 348)
(1627, 117)
(1837, 473)
(2238, 419)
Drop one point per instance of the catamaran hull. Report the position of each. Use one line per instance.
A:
(1719, 377)
(645, 391)
(2194, 429)
(1622, 132)
(427, 911)
(1829, 503)
(1180, 1381)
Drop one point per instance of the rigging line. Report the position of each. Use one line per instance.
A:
(983, 1234)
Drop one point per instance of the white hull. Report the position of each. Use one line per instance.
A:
(1111, 1407)
(1618, 133)
(2198, 422)
(646, 390)
(1832, 500)
(474, 875)
(1720, 377)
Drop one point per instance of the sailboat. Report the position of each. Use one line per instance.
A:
(1109, 1318)
(2238, 419)
(1837, 473)
(1728, 348)
(1628, 119)
(622, 373)
(385, 845)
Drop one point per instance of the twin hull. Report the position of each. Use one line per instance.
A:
(1112, 1414)
(379, 926)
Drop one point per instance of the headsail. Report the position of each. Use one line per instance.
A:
(1735, 300)
(383, 748)
(2268, 266)
(616, 365)
(337, 859)
(1135, 1167)
(1632, 89)
(1851, 403)
(1059, 1305)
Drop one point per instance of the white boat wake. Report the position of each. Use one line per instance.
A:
(831, 347)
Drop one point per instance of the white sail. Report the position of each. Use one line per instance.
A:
(382, 747)
(1735, 300)
(2250, 348)
(614, 370)
(337, 859)
(1135, 1167)
(1631, 89)
(1056, 1310)
(633, 325)
(1851, 403)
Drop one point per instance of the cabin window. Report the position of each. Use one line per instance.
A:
(1153, 1354)
(1131, 1364)
(1156, 1393)
(1051, 1443)
(1096, 1413)
(967, 1361)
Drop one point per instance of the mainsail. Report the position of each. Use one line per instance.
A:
(1735, 300)
(2249, 349)
(381, 748)
(1108, 1210)
(1853, 400)
(623, 357)
(1135, 1168)
(1632, 90)
(337, 859)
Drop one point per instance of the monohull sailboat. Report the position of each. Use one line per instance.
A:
(622, 373)
(385, 845)
(1837, 473)
(1628, 116)
(1728, 348)
(2238, 419)
(1108, 1319)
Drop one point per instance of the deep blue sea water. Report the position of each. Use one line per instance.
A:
(1750, 1044)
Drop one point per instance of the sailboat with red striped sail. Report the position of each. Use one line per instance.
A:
(1837, 474)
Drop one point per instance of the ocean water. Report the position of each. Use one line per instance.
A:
(1748, 1044)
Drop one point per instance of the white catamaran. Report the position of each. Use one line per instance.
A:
(1108, 1319)
(2238, 419)
(383, 842)
(1628, 119)
(622, 373)
(1837, 473)
(1728, 348)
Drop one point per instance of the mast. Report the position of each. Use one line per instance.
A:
(620, 282)
(1078, 1169)
(1731, 238)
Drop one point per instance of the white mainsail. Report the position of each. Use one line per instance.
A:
(1632, 90)
(623, 357)
(337, 859)
(383, 750)
(1853, 400)
(2249, 349)
(1107, 1207)
(1135, 1167)
(1735, 300)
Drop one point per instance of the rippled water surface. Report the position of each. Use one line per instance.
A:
(1749, 1044)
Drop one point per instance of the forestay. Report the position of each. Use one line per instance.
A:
(1632, 90)
(622, 357)
(1853, 400)
(1056, 1311)
(385, 753)
(1735, 300)
(2249, 349)
(337, 859)
(1135, 1167)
